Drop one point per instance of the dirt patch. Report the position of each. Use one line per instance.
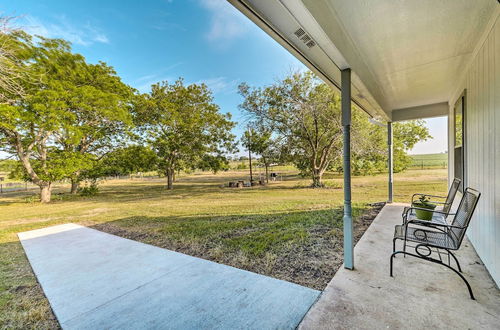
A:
(312, 262)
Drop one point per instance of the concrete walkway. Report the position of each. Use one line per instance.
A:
(421, 295)
(94, 280)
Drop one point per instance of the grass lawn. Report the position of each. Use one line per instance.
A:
(285, 230)
(439, 160)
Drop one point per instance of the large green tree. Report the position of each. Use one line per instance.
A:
(123, 161)
(305, 113)
(68, 113)
(97, 102)
(184, 127)
(27, 125)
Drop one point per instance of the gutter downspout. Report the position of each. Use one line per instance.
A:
(346, 124)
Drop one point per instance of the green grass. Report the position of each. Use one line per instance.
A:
(430, 161)
(285, 230)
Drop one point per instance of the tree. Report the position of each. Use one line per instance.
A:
(214, 163)
(12, 65)
(97, 102)
(259, 141)
(27, 124)
(305, 114)
(184, 127)
(303, 111)
(123, 161)
(405, 136)
(68, 112)
(369, 144)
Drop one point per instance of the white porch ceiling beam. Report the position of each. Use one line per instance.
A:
(421, 112)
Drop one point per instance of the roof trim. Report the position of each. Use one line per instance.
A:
(420, 112)
(278, 37)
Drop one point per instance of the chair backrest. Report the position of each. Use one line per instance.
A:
(451, 195)
(464, 214)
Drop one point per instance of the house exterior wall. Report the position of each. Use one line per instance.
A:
(482, 153)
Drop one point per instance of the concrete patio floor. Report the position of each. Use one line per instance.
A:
(421, 294)
(95, 280)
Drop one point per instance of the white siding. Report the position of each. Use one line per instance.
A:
(482, 84)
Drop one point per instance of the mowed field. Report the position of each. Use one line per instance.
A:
(427, 161)
(285, 229)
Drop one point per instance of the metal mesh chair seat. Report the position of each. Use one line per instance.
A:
(436, 217)
(433, 238)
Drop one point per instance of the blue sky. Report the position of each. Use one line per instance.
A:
(153, 40)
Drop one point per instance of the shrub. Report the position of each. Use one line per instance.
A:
(91, 190)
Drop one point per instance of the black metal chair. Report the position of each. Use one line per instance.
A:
(433, 239)
(439, 216)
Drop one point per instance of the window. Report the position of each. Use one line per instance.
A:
(459, 150)
(459, 129)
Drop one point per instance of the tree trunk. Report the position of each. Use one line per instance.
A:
(170, 179)
(45, 193)
(267, 172)
(316, 177)
(250, 161)
(75, 184)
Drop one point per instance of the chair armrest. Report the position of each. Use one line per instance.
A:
(426, 195)
(423, 209)
(431, 224)
(437, 202)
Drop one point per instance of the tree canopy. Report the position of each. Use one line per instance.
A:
(305, 113)
(68, 113)
(184, 127)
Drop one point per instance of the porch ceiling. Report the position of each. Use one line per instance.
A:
(403, 54)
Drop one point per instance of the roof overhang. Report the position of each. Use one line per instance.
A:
(323, 58)
(406, 57)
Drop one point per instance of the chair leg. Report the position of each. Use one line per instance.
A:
(393, 255)
(439, 263)
(456, 260)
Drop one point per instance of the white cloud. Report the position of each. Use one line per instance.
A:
(226, 23)
(62, 28)
(219, 84)
(101, 38)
